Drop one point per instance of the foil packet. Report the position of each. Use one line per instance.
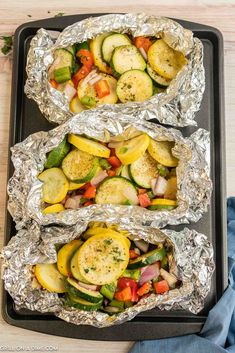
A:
(193, 170)
(192, 252)
(176, 106)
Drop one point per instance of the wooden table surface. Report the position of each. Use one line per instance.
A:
(220, 14)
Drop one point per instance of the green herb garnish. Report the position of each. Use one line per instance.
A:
(60, 14)
(8, 43)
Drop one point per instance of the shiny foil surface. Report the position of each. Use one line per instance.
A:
(192, 252)
(193, 180)
(176, 106)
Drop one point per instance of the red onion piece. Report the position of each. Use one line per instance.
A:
(73, 202)
(143, 53)
(100, 176)
(137, 251)
(131, 196)
(142, 245)
(161, 186)
(149, 272)
(69, 91)
(95, 79)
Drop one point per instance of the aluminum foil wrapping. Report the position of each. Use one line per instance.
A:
(176, 106)
(193, 181)
(192, 251)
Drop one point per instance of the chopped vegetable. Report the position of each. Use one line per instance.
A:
(142, 42)
(58, 207)
(144, 200)
(90, 192)
(133, 254)
(50, 278)
(124, 294)
(55, 185)
(89, 146)
(54, 83)
(65, 255)
(102, 88)
(62, 74)
(166, 61)
(80, 74)
(161, 287)
(114, 162)
(161, 152)
(132, 149)
(144, 289)
(85, 57)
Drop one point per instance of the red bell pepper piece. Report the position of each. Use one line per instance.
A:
(85, 186)
(141, 191)
(124, 282)
(161, 287)
(85, 57)
(144, 289)
(124, 295)
(102, 88)
(142, 42)
(88, 203)
(90, 192)
(111, 173)
(54, 83)
(144, 200)
(133, 254)
(80, 74)
(114, 161)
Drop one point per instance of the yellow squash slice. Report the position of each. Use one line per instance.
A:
(76, 106)
(89, 146)
(161, 152)
(133, 149)
(65, 255)
(58, 207)
(55, 185)
(164, 202)
(166, 61)
(105, 231)
(74, 186)
(103, 258)
(50, 278)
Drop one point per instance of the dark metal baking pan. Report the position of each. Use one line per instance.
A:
(26, 119)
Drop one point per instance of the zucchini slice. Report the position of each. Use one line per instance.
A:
(76, 106)
(76, 290)
(116, 191)
(127, 57)
(86, 145)
(84, 89)
(79, 166)
(148, 258)
(144, 170)
(56, 156)
(111, 42)
(83, 304)
(62, 58)
(75, 270)
(95, 47)
(134, 86)
(161, 81)
(133, 149)
(55, 185)
(161, 152)
(103, 258)
(166, 61)
(50, 278)
(65, 254)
